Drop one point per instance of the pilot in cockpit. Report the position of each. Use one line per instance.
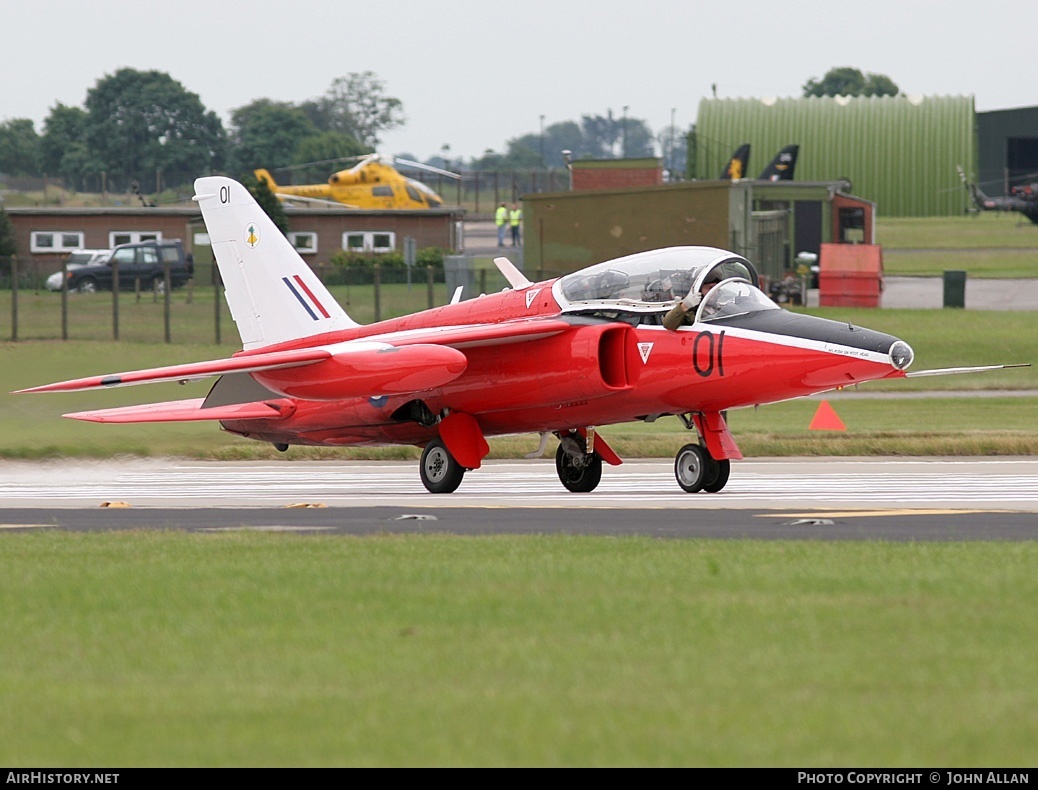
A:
(667, 287)
(684, 312)
(704, 289)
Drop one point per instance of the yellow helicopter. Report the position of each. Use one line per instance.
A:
(372, 183)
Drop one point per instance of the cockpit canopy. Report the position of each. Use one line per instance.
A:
(430, 197)
(731, 298)
(650, 281)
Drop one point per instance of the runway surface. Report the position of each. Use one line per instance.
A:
(887, 498)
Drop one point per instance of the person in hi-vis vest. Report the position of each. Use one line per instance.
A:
(515, 219)
(501, 219)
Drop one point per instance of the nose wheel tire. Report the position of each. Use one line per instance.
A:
(721, 471)
(441, 474)
(690, 468)
(697, 470)
(578, 473)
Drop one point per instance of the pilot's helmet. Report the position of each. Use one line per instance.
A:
(712, 279)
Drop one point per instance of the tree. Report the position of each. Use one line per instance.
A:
(357, 105)
(8, 243)
(63, 148)
(672, 142)
(691, 141)
(559, 137)
(607, 137)
(880, 85)
(601, 135)
(62, 127)
(596, 137)
(637, 138)
(19, 148)
(325, 149)
(267, 200)
(267, 134)
(145, 122)
(849, 81)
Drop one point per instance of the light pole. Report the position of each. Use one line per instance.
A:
(670, 167)
(542, 142)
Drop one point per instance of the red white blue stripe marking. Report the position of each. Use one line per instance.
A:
(305, 296)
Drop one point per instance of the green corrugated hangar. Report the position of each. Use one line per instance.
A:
(900, 152)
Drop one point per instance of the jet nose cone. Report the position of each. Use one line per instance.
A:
(901, 355)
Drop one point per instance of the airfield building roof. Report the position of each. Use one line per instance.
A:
(897, 151)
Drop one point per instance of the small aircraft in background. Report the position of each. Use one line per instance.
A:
(373, 183)
(736, 166)
(779, 169)
(681, 331)
(1023, 198)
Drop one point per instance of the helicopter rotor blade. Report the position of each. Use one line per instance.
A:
(391, 161)
(420, 166)
(320, 162)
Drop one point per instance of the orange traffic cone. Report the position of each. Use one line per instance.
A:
(826, 419)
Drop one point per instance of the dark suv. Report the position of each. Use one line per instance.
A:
(141, 265)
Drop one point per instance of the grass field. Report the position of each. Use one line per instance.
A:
(174, 649)
(986, 230)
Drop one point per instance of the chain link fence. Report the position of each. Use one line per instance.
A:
(197, 312)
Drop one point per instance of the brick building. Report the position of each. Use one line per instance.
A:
(616, 173)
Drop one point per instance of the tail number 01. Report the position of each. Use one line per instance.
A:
(708, 354)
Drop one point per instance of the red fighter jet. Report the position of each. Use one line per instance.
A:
(682, 331)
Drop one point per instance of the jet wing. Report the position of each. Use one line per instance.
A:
(359, 363)
(191, 371)
(188, 411)
(470, 335)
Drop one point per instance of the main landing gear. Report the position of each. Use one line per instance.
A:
(579, 471)
(441, 474)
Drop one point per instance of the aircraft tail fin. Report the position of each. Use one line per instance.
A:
(737, 164)
(782, 166)
(976, 196)
(274, 296)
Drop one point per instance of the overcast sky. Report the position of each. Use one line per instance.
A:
(474, 74)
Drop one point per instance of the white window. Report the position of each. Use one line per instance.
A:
(117, 237)
(56, 240)
(304, 241)
(369, 241)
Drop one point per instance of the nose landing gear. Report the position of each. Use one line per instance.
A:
(696, 470)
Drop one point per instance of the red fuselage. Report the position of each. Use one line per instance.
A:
(592, 372)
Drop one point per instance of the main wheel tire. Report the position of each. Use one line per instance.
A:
(719, 478)
(441, 474)
(87, 285)
(578, 476)
(692, 468)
